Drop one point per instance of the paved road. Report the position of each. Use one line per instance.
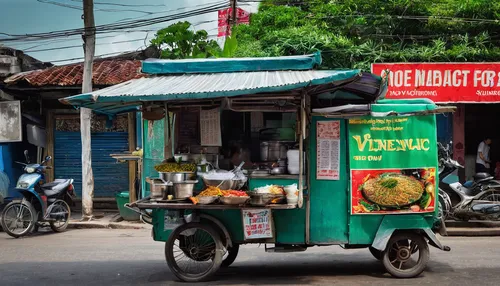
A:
(130, 257)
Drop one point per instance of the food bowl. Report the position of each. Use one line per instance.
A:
(265, 199)
(206, 200)
(234, 200)
(278, 171)
(226, 185)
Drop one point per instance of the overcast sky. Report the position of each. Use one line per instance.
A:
(34, 16)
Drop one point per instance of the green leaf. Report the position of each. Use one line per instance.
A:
(230, 46)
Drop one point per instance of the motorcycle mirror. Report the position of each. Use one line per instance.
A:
(26, 155)
(48, 158)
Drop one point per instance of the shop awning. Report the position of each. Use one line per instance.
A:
(206, 79)
(128, 95)
(227, 65)
(386, 107)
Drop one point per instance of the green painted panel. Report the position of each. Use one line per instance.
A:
(153, 150)
(329, 208)
(290, 226)
(159, 233)
(153, 147)
(362, 229)
(232, 221)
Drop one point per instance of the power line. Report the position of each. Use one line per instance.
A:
(96, 9)
(123, 5)
(118, 26)
(79, 46)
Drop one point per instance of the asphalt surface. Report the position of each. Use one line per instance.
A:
(131, 257)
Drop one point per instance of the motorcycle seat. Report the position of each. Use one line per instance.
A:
(479, 177)
(56, 187)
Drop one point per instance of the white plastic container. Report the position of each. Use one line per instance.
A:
(293, 161)
(291, 191)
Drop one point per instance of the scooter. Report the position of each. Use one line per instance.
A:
(42, 204)
(480, 201)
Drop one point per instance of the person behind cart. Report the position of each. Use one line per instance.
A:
(483, 156)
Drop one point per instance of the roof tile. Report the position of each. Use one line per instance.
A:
(105, 72)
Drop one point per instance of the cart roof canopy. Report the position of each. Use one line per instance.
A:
(206, 79)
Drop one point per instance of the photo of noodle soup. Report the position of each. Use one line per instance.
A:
(382, 191)
(392, 190)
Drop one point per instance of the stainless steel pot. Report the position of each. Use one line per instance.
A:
(157, 187)
(177, 177)
(273, 150)
(184, 190)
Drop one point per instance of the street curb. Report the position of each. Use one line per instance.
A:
(80, 225)
(112, 225)
(455, 231)
(129, 226)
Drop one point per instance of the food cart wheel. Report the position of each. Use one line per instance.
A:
(406, 255)
(376, 253)
(232, 253)
(194, 252)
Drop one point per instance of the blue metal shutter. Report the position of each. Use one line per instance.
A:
(109, 177)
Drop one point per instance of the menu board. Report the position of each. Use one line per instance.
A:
(257, 223)
(210, 131)
(328, 150)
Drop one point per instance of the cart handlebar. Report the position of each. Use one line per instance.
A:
(145, 217)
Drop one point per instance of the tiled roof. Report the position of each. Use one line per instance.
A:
(105, 72)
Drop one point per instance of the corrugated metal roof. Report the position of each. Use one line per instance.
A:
(203, 86)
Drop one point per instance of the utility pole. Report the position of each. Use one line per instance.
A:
(85, 113)
(233, 15)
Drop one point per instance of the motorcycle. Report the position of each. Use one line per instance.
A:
(479, 201)
(41, 204)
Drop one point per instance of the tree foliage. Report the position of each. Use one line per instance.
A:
(179, 41)
(356, 33)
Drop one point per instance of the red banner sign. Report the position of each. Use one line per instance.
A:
(242, 17)
(442, 82)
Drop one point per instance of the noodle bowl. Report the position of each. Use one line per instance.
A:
(392, 190)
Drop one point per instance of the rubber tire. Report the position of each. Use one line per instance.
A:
(231, 256)
(65, 226)
(423, 248)
(377, 254)
(29, 229)
(217, 260)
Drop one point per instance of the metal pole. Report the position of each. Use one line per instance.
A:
(85, 113)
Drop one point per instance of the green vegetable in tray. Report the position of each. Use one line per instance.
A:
(175, 167)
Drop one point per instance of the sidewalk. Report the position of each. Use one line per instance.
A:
(473, 228)
(111, 220)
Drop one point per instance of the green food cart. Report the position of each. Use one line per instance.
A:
(368, 165)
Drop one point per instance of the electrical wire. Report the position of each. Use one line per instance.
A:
(117, 26)
(95, 9)
(123, 5)
(79, 46)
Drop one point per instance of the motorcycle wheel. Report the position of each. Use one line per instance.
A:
(406, 255)
(491, 196)
(18, 218)
(64, 210)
